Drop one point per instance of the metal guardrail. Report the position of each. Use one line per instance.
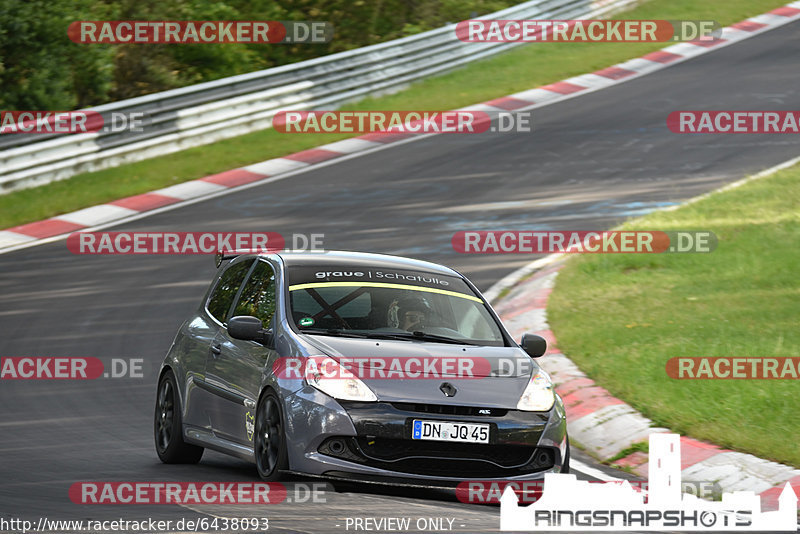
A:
(207, 112)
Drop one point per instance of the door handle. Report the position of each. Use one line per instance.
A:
(216, 350)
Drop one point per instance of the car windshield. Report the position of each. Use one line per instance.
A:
(390, 304)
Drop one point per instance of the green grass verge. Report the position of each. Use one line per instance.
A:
(522, 68)
(621, 317)
(642, 446)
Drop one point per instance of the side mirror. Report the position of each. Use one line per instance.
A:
(534, 345)
(249, 328)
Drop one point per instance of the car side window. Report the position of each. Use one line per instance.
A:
(258, 296)
(228, 285)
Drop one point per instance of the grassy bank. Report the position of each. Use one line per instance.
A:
(621, 317)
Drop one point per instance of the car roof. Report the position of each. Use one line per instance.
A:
(338, 260)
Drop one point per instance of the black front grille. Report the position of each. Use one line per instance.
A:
(395, 449)
(446, 409)
(446, 459)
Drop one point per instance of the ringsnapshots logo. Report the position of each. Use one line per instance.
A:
(568, 504)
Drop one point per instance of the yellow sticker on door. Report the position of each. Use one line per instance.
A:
(249, 425)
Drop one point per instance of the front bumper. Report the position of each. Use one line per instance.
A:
(373, 440)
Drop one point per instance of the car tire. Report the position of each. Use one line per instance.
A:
(168, 425)
(565, 465)
(269, 442)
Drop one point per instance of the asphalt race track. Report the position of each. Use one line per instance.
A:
(591, 162)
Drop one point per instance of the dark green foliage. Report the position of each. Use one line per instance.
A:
(40, 68)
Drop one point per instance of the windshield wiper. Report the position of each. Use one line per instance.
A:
(333, 332)
(422, 336)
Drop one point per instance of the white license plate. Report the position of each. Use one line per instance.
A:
(445, 431)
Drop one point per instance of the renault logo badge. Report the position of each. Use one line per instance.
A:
(448, 389)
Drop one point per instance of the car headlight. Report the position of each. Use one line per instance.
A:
(539, 395)
(329, 377)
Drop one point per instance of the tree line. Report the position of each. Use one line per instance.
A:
(41, 69)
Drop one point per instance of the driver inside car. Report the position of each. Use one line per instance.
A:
(412, 313)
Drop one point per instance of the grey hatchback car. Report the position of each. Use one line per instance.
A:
(357, 366)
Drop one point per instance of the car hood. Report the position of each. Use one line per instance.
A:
(496, 376)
